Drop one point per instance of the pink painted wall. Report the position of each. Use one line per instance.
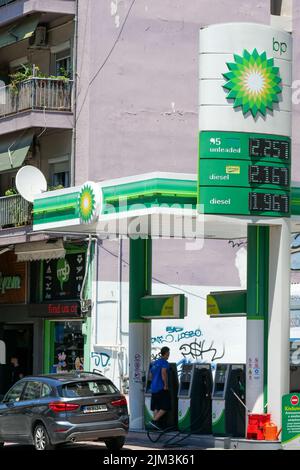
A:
(137, 106)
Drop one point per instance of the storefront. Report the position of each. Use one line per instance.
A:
(62, 283)
(20, 334)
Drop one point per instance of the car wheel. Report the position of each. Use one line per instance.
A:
(115, 444)
(41, 438)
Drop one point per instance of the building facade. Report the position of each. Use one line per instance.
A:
(99, 90)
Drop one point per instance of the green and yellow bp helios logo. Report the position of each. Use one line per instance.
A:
(89, 202)
(253, 83)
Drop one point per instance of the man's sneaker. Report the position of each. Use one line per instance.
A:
(155, 425)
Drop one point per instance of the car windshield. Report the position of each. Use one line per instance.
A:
(88, 388)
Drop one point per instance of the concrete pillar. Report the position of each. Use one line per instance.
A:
(140, 281)
(279, 318)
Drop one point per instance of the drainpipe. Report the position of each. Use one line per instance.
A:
(74, 96)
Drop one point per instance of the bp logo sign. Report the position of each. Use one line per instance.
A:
(63, 272)
(253, 83)
(89, 202)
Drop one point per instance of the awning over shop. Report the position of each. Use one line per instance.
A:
(24, 29)
(14, 149)
(40, 250)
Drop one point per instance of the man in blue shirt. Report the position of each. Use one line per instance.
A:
(160, 400)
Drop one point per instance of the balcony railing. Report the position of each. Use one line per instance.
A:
(15, 211)
(36, 94)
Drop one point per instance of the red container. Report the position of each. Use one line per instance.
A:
(256, 423)
(259, 420)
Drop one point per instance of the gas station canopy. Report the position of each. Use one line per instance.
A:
(160, 205)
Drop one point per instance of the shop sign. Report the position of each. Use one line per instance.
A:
(9, 282)
(13, 280)
(63, 278)
(56, 310)
(291, 421)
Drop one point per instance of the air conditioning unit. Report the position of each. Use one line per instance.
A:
(39, 39)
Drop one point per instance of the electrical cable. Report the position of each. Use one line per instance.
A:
(45, 124)
(82, 300)
(106, 59)
(155, 278)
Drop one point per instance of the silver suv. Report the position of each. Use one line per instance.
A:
(48, 410)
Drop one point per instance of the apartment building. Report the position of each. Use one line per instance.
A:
(94, 90)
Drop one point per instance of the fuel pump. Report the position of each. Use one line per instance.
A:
(194, 399)
(170, 420)
(228, 413)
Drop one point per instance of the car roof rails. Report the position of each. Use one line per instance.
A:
(88, 372)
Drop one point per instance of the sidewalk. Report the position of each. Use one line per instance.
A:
(178, 441)
(170, 440)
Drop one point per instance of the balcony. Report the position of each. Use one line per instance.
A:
(15, 211)
(36, 94)
(34, 103)
(16, 9)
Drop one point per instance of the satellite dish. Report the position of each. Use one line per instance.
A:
(30, 182)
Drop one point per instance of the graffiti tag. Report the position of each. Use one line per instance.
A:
(137, 368)
(173, 329)
(176, 337)
(101, 359)
(197, 350)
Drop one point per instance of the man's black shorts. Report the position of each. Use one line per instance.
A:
(161, 401)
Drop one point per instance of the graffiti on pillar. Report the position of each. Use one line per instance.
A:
(237, 243)
(138, 373)
(198, 350)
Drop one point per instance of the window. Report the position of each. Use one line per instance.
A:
(68, 346)
(295, 352)
(60, 172)
(46, 391)
(276, 6)
(14, 393)
(63, 64)
(61, 179)
(32, 391)
(89, 389)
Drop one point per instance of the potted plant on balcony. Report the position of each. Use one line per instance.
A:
(28, 88)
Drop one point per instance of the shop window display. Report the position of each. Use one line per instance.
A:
(68, 347)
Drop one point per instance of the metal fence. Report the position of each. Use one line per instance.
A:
(36, 93)
(15, 211)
